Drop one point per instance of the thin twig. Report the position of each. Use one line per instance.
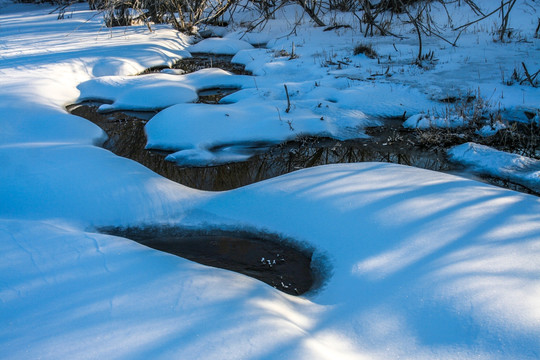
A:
(288, 100)
(483, 17)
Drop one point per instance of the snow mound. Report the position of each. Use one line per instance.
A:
(219, 46)
(426, 259)
(253, 59)
(217, 134)
(156, 91)
(424, 121)
(42, 125)
(51, 188)
(201, 157)
(71, 294)
(484, 159)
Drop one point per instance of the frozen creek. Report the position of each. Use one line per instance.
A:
(389, 142)
(276, 262)
(279, 263)
(420, 264)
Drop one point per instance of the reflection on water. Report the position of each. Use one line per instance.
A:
(304, 153)
(127, 139)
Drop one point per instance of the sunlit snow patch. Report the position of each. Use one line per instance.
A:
(156, 91)
(254, 38)
(209, 134)
(220, 46)
(515, 168)
(381, 99)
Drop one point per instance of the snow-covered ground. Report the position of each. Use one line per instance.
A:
(421, 264)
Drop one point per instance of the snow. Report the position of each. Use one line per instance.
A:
(401, 287)
(423, 121)
(156, 91)
(418, 264)
(195, 129)
(388, 100)
(324, 81)
(219, 46)
(61, 195)
(513, 167)
(490, 130)
(101, 296)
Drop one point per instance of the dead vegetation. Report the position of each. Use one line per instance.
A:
(374, 17)
(366, 49)
(521, 76)
(517, 138)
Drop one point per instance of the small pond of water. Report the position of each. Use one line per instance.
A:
(281, 264)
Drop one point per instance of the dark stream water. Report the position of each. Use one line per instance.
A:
(127, 139)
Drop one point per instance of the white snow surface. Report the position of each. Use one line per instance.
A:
(219, 46)
(491, 129)
(156, 91)
(326, 81)
(195, 129)
(423, 265)
(423, 121)
(513, 167)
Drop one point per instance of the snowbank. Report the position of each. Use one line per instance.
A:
(210, 134)
(420, 260)
(483, 159)
(156, 91)
(219, 46)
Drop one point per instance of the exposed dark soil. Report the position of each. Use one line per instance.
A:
(274, 261)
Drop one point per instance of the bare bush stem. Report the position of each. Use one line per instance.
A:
(288, 99)
(311, 12)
